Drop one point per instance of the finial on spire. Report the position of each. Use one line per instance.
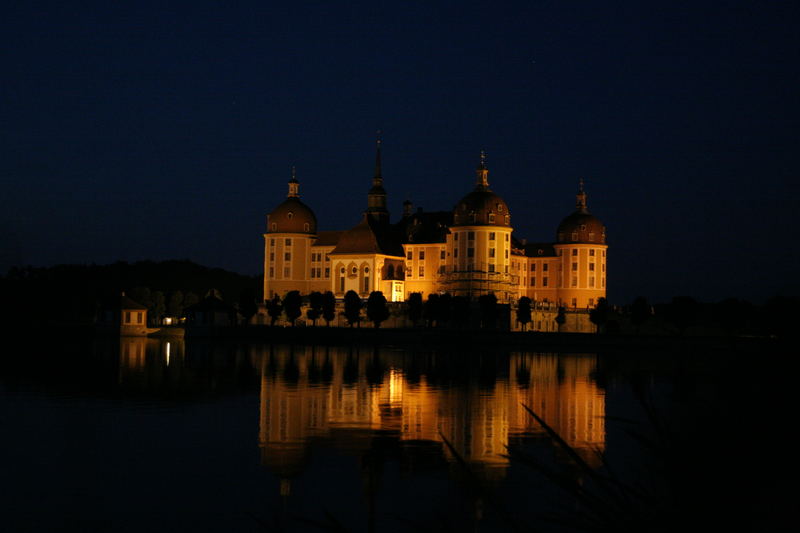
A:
(482, 173)
(580, 198)
(294, 185)
(378, 154)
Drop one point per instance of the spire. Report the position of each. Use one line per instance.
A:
(482, 173)
(376, 199)
(294, 185)
(580, 198)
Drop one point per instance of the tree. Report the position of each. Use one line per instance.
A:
(561, 318)
(524, 311)
(190, 299)
(377, 311)
(431, 311)
(175, 305)
(640, 312)
(158, 307)
(599, 315)
(247, 304)
(682, 312)
(328, 307)
(315, 307)
(460, 306)
(292, 303)
(488, 306)
(352, 307)
(414, 307)
(274, 309)
(445, 309)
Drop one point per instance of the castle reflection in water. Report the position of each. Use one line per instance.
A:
(340, 394)
(348, 397)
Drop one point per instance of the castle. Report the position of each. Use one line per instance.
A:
(468, 251)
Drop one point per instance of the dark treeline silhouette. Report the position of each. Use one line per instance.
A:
(67, 294)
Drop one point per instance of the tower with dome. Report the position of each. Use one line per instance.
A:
(468, 251)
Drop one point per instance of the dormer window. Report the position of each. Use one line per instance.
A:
(491, 217)
(574, 236)
(307, 227)
(499, 208)
(289, 215)
(583, 227)
(274, 226)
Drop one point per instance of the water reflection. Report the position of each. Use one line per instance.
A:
(346, 396)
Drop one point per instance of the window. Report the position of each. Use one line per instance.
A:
(288, 242)
(441, 254)
(506, 237)
(455, 236)
(505, 269)
(306, 227)
(604, 253)
(127, 317)
(591, 252)
(341, 271)
(471, 235)
(327, 258)
(574, 281)
(591, 281)
(421, 271)
(574, 236)
(544, 282)
(545, 267)
(272, 256)
(491, 235)
(286, 272)
(139, 317)
(574, 267)
(499, 208)
(533, 267)
(574, 252)
(491, 252)
(491, 267)
(604, 267)
(574, 302)
(409, 274)
(366, 283)
(366, 270)
(591, 302)
(533, 281)
(274, 226)
(455, 252)
(287, 256)
(410, 255)
(591, 267)
(491, 217)
(272, 272)
(506, 252)
(604, 282)
(341, 284)
(508, 219)
(327, 272)
(421, 254)
(591, 237)
(354, 271)
(272, 242)
(470, 252)
(289, 215)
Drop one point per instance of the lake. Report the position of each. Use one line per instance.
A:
(138, 434)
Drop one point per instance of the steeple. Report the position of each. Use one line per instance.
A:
(376, 199)
(294, 185)
(482, 174)
(580, 198)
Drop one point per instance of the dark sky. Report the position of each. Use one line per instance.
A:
(160, 130)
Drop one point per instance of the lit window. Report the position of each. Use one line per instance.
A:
(409, 273)
(491, 217)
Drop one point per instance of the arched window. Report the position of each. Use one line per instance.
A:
(274, 226)
(289, 215)
(306, 226)
(491, 217)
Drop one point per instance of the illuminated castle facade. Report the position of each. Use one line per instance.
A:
(468, 251)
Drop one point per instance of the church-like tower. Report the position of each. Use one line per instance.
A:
(376, 199)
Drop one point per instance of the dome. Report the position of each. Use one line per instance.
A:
(481, 208)
(292, 216)
(581, 227)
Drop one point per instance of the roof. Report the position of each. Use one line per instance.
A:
(539, 249)
(424, 227)
(328, 238)
(292, 216)
(481, 207)
(127, 303)
(370, 237)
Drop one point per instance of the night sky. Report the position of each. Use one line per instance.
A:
(167, 130)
